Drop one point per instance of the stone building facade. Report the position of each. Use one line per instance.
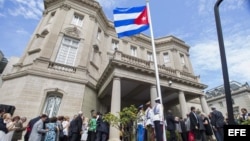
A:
(240, 98)
(74, 61)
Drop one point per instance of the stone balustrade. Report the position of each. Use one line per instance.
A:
(61, 67)
(135, 61)
(188, 76)
(118, 55)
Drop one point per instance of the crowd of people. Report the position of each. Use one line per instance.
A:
(61, 128)
(196, 126)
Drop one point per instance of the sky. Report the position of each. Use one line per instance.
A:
(192, 21)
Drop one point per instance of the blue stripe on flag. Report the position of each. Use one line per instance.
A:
(124, 22)
(128, 10)
(132, 32)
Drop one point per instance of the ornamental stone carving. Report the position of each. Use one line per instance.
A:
(72, 31)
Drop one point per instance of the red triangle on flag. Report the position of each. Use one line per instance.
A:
(142, 18)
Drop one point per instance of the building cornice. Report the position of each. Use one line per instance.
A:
(39, 73)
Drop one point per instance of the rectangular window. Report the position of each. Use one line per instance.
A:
(166, 57)
(52, 105)
(134, 51)
(150, 56)
(68, 51)
(182, 59)
(114, 44)
(98, 36)
(77, 20)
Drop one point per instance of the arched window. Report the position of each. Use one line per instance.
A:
(52, 104)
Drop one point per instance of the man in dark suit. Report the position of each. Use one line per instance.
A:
(171, 127)
(75, 128)
(194, 123)
(3, 127)
(102, 129)
(217, 121)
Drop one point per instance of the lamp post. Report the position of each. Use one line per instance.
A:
(224, 64)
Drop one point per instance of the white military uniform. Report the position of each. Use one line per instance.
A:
(149, 116)
(158, 112)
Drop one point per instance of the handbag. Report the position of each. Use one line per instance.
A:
(191, 136)
(84, 135)
(61, 134)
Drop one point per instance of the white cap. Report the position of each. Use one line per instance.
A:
(158, 98)
(213, 107)
(80, 112)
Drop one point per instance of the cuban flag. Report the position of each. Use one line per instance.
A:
(130, 21)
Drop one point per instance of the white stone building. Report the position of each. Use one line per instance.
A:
(240, 94)
(74, 61)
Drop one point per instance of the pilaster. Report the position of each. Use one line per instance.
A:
(153, 94)
(114, 133)
(183, 103)
(204, 105)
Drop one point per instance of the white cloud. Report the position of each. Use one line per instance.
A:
(234, 4)
(1, 3)
(29, 9)
(22, 31)
(2, 15)
(107, 4)
(207, 6)
(110, 3)
(205, 54)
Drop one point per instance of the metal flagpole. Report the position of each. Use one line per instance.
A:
(228, 94)
(155, 65)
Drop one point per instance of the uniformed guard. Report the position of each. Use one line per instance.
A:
(158, 119)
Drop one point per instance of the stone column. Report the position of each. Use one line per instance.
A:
(183, 104)
(204, 105)
(153, 94)
(114, 133)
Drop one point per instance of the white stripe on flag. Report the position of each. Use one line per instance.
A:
(126, 16)
(128, 27)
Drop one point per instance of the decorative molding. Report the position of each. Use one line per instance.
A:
(141, 47)
(125, 42)
(45, 12)
(96, 47)
(106, 34)
(34, 51)
(72, 31)
(133, 38)
(173, 49)
(92, 18)
(39, 36)
(65, 7)
(94, 65)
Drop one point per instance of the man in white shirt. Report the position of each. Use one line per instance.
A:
(149, 122)
(158, 119)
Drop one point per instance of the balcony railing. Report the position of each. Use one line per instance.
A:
(61, 67)
(167, 70)
(188, 76)
(135, 61)
(118, 55)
